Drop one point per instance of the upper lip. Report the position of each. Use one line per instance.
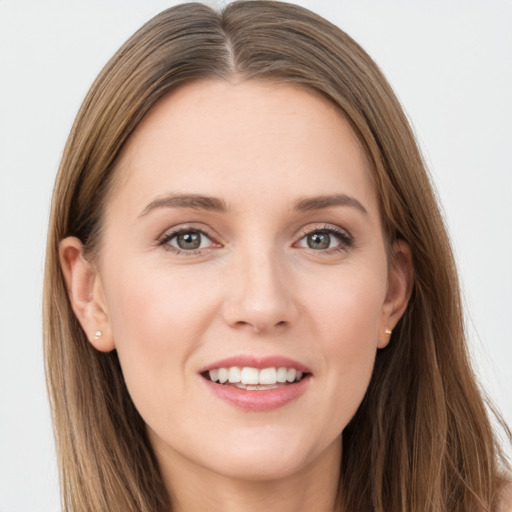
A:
(257, 362)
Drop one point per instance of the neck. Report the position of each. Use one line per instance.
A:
(195, 488)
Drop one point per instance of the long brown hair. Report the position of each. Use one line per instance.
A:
(421, 440)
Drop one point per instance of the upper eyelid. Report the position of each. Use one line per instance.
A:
(174, 234)
(176, 230)
(333, 228)
(165, 239)
(214, 237)
(345, 239)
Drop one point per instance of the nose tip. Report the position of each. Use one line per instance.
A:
(259, 321)
(260, 300)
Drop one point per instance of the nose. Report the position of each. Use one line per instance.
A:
(260, 296)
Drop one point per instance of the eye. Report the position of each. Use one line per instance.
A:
(187, 240)
(326, 239)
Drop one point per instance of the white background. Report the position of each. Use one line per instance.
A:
(451, 65)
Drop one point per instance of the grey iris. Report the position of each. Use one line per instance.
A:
(189, 240)
(318, 240)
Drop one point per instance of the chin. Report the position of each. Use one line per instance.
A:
(260, 467)
(268, 454)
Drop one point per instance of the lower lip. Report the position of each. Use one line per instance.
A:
(265, 400)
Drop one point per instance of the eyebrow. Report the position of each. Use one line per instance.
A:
(193, 201)
(200, 202)
(308, 204)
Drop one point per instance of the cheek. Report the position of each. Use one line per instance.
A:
(348, 310)
(347, 323)
(157, 320)
(152, 308)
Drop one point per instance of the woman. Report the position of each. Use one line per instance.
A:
(250, 298)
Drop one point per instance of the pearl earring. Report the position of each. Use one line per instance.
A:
(97, 335)
(388, 331)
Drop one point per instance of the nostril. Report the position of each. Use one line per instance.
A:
(241, 324)
(259, 326)
(260, 314)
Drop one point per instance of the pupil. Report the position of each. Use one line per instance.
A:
(319, 241)
(189, 240)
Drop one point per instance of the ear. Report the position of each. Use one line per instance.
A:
(85, 290)
(400, 281)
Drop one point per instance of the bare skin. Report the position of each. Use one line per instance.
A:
(243, 223)
(303, 491)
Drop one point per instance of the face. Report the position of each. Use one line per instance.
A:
(243, 231)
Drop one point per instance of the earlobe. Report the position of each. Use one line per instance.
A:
(85, 291)
(400, 283)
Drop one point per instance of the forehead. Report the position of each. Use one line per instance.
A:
(254, 138)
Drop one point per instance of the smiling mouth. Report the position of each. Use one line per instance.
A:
(254, 379)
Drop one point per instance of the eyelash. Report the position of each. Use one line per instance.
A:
(164, 241)
(345, 239)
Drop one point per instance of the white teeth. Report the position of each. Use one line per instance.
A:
(268, 376)
(259, 387)
(251, 378)
(234, 374)
(223, 375)
(291, 374)
(281, 374)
